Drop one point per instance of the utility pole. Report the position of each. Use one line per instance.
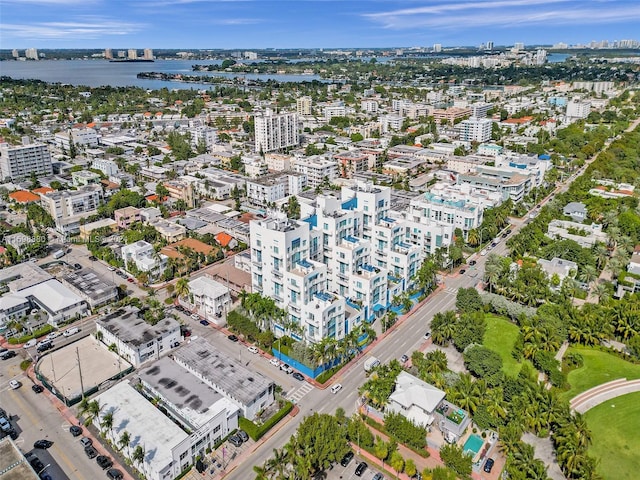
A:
(80, 372)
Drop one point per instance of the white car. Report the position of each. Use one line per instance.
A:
(195, 316)
(336, 388)
(52, 336)
(253, 349)
(31, 343)
(483, 252)
(15, 384)
(274, 362)
(111, 269)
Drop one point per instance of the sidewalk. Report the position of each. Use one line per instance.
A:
(71, 419)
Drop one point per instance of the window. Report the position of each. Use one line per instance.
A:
(217, 429)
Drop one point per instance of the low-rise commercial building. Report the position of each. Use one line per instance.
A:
(136, 340)
(87, 284)
(209, 299)
(144, 257)
(248, 390)
(124, 217)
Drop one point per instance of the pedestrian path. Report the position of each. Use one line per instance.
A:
(298, 394)
(451, 290)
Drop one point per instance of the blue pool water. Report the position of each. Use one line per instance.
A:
(473, 445)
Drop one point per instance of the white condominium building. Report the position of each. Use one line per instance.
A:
(303, 105)
(317, 169)
(275, 131)
(577, 109)
(17, 162)
(475, 130)
(68, 207)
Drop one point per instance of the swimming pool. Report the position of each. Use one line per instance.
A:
(473, 445)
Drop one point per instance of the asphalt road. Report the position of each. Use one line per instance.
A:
(34, 417)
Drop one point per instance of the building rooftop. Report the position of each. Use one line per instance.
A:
(133, 330)
(146, 425)
(53, 295)
(88, 282)
(23, 275)
(13, 465)
(195, 401)
(208, 286)
(230, 376)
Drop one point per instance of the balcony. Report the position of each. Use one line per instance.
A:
(277, 273)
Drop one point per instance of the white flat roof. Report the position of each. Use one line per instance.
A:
(147, 426)
(53, 295)
(208, 286)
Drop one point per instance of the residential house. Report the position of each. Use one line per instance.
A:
(576, 210)
(414, 399)
(209, 299)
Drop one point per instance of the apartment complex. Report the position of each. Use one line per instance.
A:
(338, 267)
(18, 162)
(303, 105)
(68, 207)
(475, 129)
(275, 131)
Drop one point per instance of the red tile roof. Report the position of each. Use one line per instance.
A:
(22, 196)
(223, 239)
(42, 190)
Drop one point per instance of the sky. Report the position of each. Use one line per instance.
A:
(257, 24)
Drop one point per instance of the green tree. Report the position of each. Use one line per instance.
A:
(454, 458)
(396, 462)
(468, 300)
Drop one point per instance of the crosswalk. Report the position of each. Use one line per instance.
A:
(297, 395)
(451, 290)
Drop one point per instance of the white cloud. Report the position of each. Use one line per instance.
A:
(79, 28)
(237, 21)
(504, 13)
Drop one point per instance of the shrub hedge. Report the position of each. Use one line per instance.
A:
(257, 432)
(25, 338)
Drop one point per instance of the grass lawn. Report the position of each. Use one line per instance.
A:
(500, 337)
(615, 439)
(599, 367)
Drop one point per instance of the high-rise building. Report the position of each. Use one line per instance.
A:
(577, 109)
(108, 54)
(489, 45)
(475, 129)
(31, 53)
(17, 162)
(437, 47)
(518, 46)
(122, 53)
(15, 54)
(148, 54)
(132, 54)
(275, 131)
(303, 105)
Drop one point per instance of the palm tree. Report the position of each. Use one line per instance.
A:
(601, 253)
(473, 237)
(98, 335)
(106, 424)
(278, 462)
(588, 274)
(124, 441)
(92, 412)
(182, 288)
(138, 455)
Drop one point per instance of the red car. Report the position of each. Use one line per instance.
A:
(130, 280)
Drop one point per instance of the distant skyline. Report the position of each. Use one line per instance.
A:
(251, 24)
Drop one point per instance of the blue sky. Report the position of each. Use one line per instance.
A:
(310, 23)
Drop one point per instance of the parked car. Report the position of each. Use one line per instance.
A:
(233, 338)
(253, 349)
(204, 322)
(244, 436)
(336, 388)
(52, 336)
(483, 252)
(274, 362)
(43, 444)
(111, 269)
(195, 316)
(427, 335)
(92, 258)
(346, 459)
(34, 461)
(37, 388)
(8, 354)
(44, 346)
(86, 442)
(472, 263)
(362, 466)
(104, 462)
(70, 331)
(77, 266)
(130, 280)
(378, 476)
(286, 368)
(298, 376)
(15, 384)
(114, 474)
(462, 271)
(235, 440)
(488, 465)
(31, 343)
(90, 451)
(75, 430)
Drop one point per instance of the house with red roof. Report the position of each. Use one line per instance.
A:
(226, 241)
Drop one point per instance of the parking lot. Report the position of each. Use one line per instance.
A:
(338, 472)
